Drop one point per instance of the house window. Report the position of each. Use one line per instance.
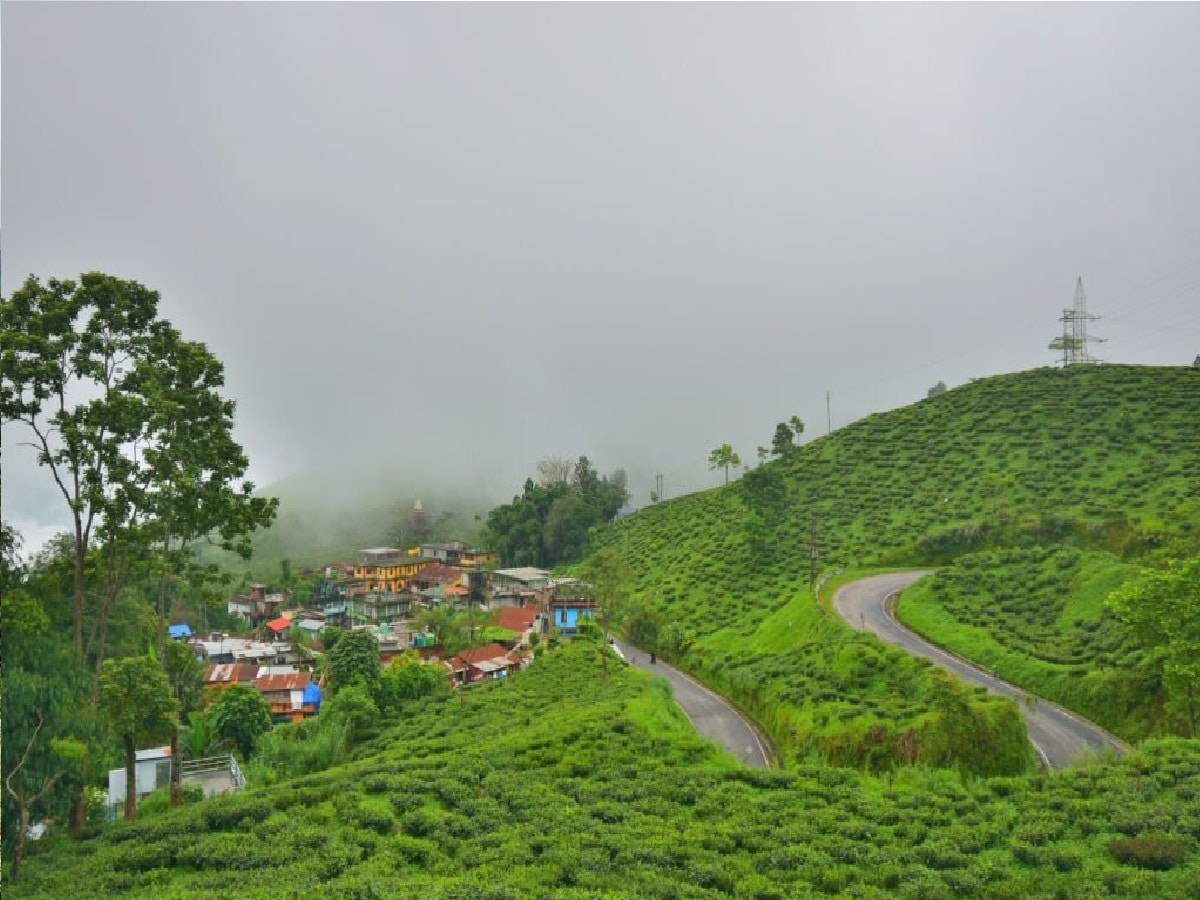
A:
(162, 774)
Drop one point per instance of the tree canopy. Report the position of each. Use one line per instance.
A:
(355, 657)
(1162, 609)
(136, 703)
(724, 457)
(550, 523)
(240, 715)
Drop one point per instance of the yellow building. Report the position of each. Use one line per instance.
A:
(386, 569)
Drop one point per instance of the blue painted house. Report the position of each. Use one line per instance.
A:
(566, 611)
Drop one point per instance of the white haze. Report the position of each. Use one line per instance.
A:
(451, 239)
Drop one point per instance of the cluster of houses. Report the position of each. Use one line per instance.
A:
(384, 592)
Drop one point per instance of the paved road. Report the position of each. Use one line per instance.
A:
(711, 713)
(1058, 736)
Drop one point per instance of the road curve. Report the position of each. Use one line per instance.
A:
(711, 714)
(1059, 736)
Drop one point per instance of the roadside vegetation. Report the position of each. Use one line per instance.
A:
(1038, 619)
(560, 784)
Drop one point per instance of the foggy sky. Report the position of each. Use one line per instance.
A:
(461, 237)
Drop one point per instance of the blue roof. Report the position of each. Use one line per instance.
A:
(180, 631)
(312, 694)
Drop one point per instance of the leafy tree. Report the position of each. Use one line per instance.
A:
(550, 524)
(1162, 610)
(330, 635)
(440, 621)
(186, 677)
(135, 700)
(354, 709)
(566, 531)
(797, 426)
(69, 349)
(27, 795)
(407, 677)
(783, 441)
(937, 390)
(354, 658)
(240, 715)
(43, 735)
(198, 738)
(724, 457)
(128, 419)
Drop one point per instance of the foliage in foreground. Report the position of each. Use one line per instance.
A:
(555, 784)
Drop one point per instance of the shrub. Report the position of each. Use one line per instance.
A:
(1157, 852)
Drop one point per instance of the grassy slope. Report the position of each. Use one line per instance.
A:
(556, 785)
(1037, 619)
(1098, 455)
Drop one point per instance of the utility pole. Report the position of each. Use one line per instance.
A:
(812, 555)
(828, 415)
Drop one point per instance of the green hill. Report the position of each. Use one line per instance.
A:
(556, 784)
(1098, 457)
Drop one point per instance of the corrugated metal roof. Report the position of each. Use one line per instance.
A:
(228, 673)
(272, 683)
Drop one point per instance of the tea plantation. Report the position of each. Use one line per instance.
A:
(556, 784)
(1037, 618)
(1098, 458)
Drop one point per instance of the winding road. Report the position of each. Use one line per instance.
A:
(1059, 736)
(710, 713)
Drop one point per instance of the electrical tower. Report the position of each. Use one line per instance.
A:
(1075, 338)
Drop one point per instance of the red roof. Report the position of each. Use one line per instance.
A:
(479, 654)
(516, 618)
(281, 624)
(297, 681)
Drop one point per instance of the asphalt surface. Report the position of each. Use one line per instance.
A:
(711, 714)
(1059, 737)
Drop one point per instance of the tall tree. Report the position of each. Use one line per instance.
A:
(67, 349)
(129, 420)
(190, 481)
(724, 457)
(783, 443)
(355, 658)
(797, 425)
(43, 735)
(136, 702)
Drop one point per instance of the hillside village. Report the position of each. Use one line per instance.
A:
(384, 592)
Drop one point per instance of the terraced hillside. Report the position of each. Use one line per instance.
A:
(1037, 618)
(1104, 458)
(557, 784)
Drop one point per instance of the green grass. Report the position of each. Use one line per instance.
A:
(1102, 458)
(1037, 619)
(557, 785)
